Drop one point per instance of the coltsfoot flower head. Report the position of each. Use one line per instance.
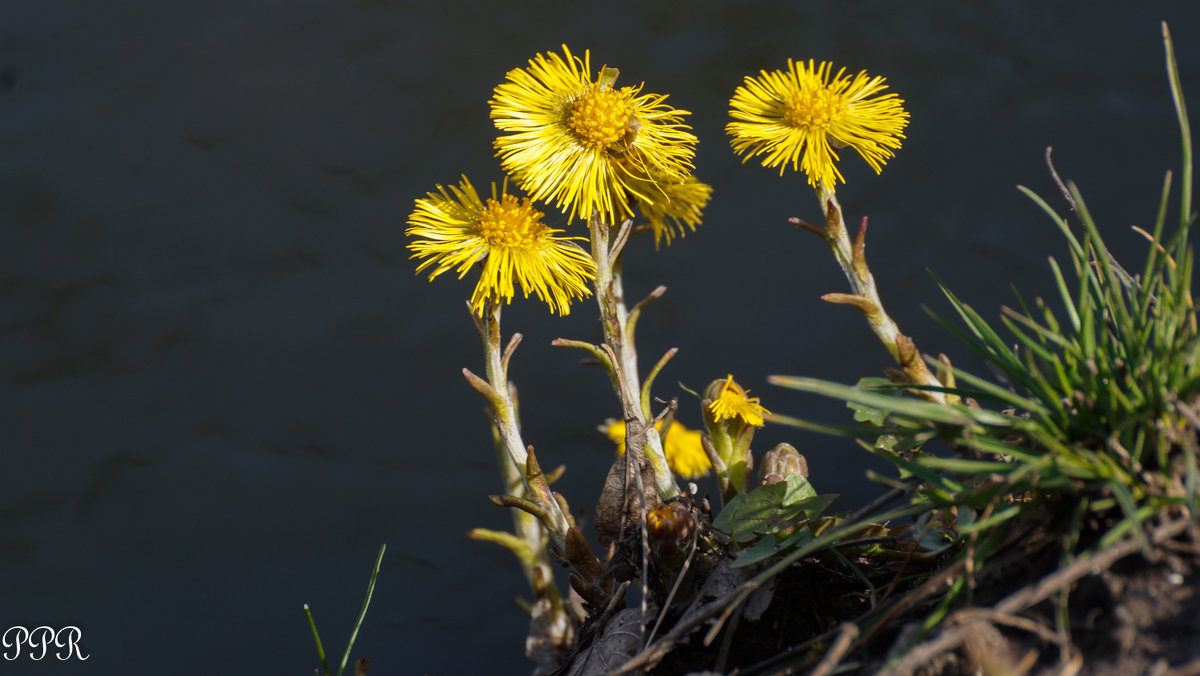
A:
(453, 229)
(730, 401)
(678, 208)
(682, 446)
(805, 114)
(580, 143)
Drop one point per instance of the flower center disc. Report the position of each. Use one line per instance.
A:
(510, 223)
(818, 109)
(600, 117)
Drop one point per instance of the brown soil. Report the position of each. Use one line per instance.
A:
(1128, 610)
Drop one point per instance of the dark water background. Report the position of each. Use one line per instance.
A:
(224, 388)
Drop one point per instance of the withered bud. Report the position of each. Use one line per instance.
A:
(670, 527)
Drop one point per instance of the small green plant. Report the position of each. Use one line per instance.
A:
(1095, 412)
(360, 667)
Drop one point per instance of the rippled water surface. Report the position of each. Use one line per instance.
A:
(224, 388)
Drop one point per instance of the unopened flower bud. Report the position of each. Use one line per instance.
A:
(781, 462)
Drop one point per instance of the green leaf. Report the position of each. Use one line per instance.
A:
(815, 506)
(763, 549)
(798, 489)
(863, 413)
(761, 513)
(867, 414)
(770, 509)
(723, 522)
(936, 540)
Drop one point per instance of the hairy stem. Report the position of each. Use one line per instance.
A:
(852, 259)
(614, 317)
(535, 487)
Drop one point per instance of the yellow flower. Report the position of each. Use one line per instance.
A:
(679, 209)
(803, 116)
(580, 143)
(733, 402)
(682, 446)
(455, 229)
(685, 453)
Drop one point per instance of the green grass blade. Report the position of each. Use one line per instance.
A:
(998, 517)
(1061, 222)
(1185, 134)
(363, 613)
(915, 409)
(1065, 293)
(317, 638)
(1010, 318)
(1155, 262)
(1134, 516)
(964, 465)
(858, 431)
(1087, 328)
(1000, 394)
(969, 340)
(932, 479)
(1002, 354)
(1000, 448)
(991, 346)
(1110, 290)
(1047, 316)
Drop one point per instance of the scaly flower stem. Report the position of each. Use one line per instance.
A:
(528, 529)
(551, 632)
(853, 261)
(614, 316)
(536, 488)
